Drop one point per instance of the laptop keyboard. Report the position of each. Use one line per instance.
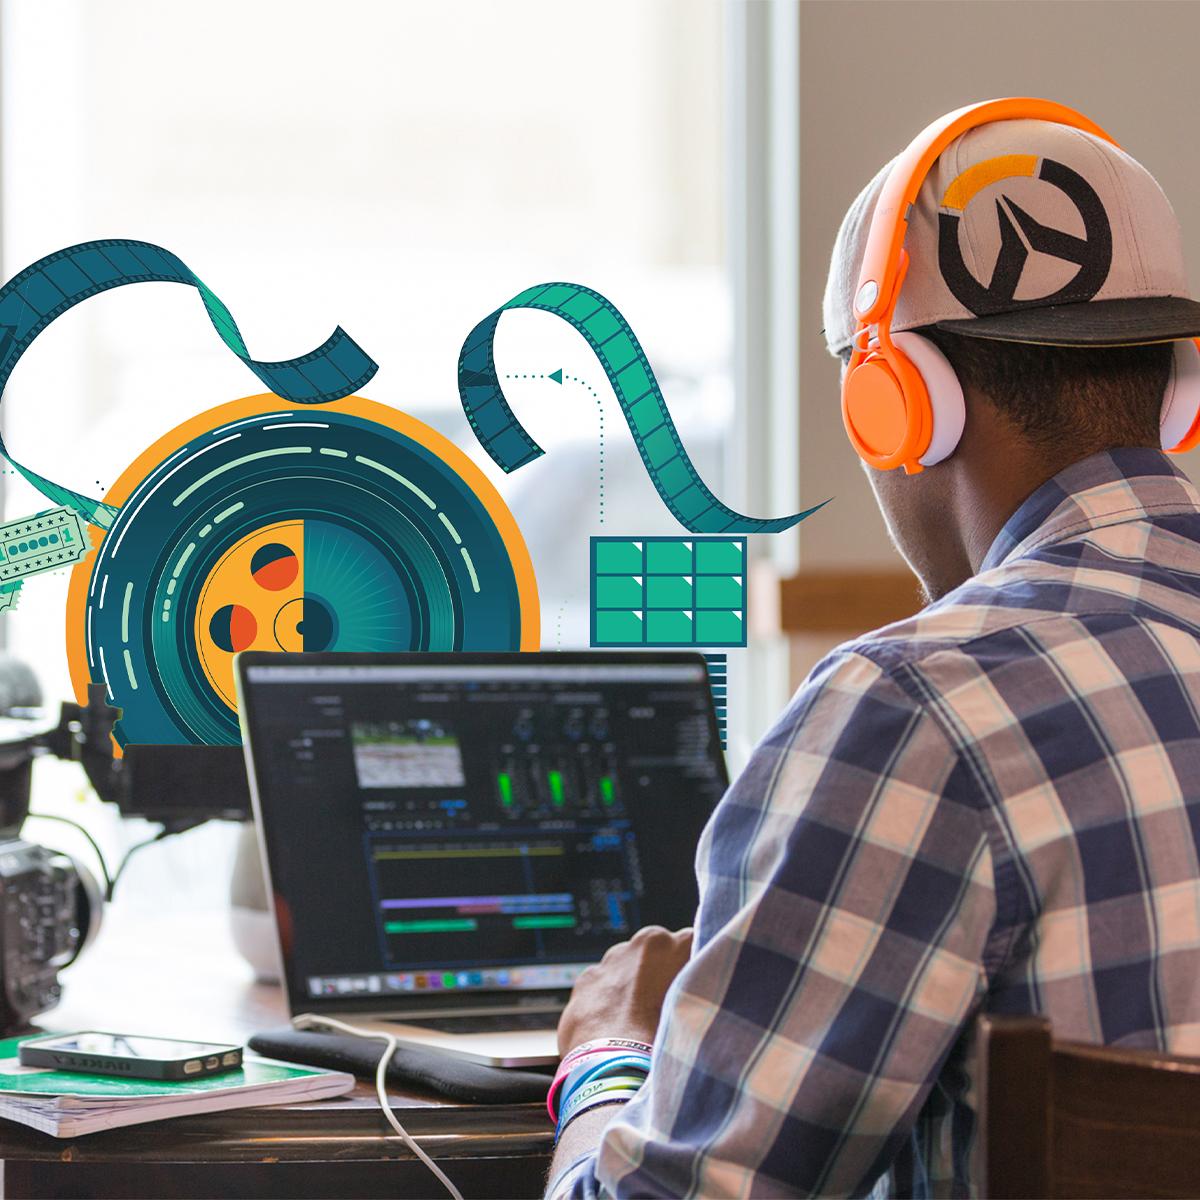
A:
(486, 1022)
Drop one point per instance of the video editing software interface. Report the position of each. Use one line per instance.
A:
(439, 828)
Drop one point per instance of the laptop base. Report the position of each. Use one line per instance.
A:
(504, 1048)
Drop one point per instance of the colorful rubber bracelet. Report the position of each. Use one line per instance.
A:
(574, 1061)
(613, 1064)
(626, 1091)
(613, 1083)
(587, 1067)
(591, 1069)
(613, 1043)
(620, 1097)
(596, 1046)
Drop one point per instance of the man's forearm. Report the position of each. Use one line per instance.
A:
(582, 1137)
(615, 1007)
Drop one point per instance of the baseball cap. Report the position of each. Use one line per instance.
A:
(1029, 231)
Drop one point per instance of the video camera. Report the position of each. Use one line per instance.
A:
(50, 905)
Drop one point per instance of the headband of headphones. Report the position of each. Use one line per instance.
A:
(885, 258)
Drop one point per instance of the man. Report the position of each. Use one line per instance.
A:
(993, 806)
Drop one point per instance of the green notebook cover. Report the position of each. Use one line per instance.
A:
(16, 1079)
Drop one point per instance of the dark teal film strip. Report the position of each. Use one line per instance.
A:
(52, 285)
(718, 681)
(629, 372)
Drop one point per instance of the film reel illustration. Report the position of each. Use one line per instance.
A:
(258, 526)
(305, 518)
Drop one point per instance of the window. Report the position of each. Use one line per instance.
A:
(401, 169)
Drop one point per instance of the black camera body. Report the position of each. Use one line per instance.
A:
(45, 918)
(50, 905)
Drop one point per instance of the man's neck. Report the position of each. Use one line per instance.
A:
(992, 488)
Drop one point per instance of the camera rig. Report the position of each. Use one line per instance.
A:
(49, 904)
(178, 785)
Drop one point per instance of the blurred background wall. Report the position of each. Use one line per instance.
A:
(401, 168)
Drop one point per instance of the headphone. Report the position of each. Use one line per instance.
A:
(902, 404)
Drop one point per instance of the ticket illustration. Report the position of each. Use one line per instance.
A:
(45, 541)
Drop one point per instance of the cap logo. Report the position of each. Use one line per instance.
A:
(1020, 234)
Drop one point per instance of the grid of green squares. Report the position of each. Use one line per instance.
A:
(668, 591)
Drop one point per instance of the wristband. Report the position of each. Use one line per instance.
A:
(615, 1083)
(595, 1065)
(599, 1044)
(611, 1065)
(619, 1097)
(588, 1050)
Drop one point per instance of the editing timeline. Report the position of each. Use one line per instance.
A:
(537, 907)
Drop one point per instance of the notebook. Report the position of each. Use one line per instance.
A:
(65, 1104)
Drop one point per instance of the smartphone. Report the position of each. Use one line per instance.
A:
(94, 1053)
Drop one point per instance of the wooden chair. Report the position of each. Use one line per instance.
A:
(1059, 1119)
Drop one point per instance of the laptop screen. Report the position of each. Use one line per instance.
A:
(438, 823)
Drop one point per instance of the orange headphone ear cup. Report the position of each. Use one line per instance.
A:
(874, 411)
(886, 407)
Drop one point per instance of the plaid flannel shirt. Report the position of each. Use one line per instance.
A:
(993, 806)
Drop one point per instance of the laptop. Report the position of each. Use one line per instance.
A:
(450, 839)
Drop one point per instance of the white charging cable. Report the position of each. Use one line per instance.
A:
(312, 1021)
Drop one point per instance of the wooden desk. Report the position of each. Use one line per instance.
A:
(179, 976)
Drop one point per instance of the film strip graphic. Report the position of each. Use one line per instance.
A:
(52, 285)
(718, 681)
(629, 372)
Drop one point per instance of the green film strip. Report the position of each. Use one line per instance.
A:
(625, 363)
(52, 285)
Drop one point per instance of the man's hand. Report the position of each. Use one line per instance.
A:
(622, 995)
